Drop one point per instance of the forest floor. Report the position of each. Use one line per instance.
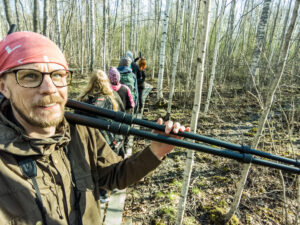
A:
(233, 118)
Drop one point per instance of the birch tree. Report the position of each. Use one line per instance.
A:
(17, 15)
(193, 47)
(123, 29)
(196, 108)
(45, 17)
(35, 16)
(215, 57)
(104, 34)
(157, 22)
(175, 58)
(259, 41)
(230, 27)
(92, 33)
(266, 109)
(162, 52)
(8, 12)
(131, 24)
(57, 19)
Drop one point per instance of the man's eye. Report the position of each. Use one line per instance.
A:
(29, 76)
(57, 75)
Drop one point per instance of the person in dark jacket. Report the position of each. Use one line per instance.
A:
(123, 91)
(141, 80)
(52, 169)
(133, 65)
(128, 78)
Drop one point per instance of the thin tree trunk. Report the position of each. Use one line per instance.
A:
(215, 57)
(156, 21)
(265, 113)
(162, 52)
(123, 29)
(45, 17)
(193, 47)
(175, 58)
(196, 109)
(92, 33)
(230, 26)
(17, 15)
(104, 34)
(8, 12)
(35, 15)
(284, 26)
(131, 24)
(260, 37)
(148, 29)
(58, 29)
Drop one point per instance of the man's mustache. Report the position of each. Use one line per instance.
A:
(49, 99)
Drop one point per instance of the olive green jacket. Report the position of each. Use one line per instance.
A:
(75, 151)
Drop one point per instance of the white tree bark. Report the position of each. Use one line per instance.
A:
(45, 18)
(193, 47)
(259, 41)
(265, 113)
(175, 57)
(230, 26)
(58, 28)
(162, 51)
(131, 24)
(92, 33)
(123, 29)
(196, 109)
(215, 57)
(104, 34)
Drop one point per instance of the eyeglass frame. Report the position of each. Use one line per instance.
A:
(43, 75)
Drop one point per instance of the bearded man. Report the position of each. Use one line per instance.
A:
(51, 170)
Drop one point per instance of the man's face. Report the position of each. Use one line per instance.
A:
(42, 106)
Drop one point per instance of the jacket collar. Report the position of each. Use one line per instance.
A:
(124, 69)
(14, 140)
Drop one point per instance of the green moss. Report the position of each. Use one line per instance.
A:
(225, 169)
(196, 191)
(216, 215)
(220, 179)
(168, 211)
(172, 196)
(176, 183)
(159, 194)
(190, 220)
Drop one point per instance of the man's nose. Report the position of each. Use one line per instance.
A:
(47, 85)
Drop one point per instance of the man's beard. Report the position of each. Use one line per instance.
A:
(35, 120)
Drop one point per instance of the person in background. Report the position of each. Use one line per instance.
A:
(128, 78)
(133, 65)
(141, 81)
(123, 91)
(52, 169)
(99, 93)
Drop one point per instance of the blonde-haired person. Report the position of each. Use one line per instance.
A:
(142, 63)
(99, 90)
(99, 93)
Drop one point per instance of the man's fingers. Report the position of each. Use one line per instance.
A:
(169, 126)
(160, 121)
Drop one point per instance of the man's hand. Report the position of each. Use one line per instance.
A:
(161, 149)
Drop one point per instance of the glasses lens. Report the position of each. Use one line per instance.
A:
(29, 78)
(61, 78)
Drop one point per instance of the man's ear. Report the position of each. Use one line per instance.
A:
(3, 87)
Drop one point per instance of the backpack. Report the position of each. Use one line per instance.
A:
(115, 141)
(129, 80)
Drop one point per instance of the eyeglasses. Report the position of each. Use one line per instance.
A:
(30, 78)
